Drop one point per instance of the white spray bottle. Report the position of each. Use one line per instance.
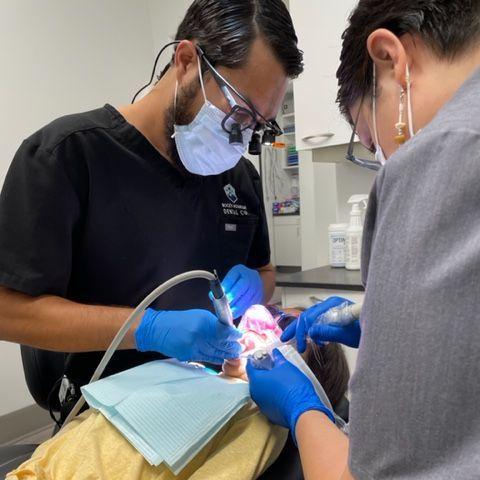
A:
(353, 245)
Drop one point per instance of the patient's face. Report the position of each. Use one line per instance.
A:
(260, 330)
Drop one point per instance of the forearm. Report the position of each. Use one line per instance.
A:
(323, 448)
(267, 274)
(54, 323)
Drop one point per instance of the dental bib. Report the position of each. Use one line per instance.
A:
(168, 410)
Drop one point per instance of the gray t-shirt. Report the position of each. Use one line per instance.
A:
(415, 395)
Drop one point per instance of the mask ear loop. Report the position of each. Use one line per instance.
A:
(176, 92)
(175, 108)
(374, 105)
(201, 78)
(409, 104)
(379, 155)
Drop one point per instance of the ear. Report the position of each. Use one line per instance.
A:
(186, 60)
(389, 54)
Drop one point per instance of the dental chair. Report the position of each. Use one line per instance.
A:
(42, 370)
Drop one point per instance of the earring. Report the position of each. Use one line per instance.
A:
(401, 137)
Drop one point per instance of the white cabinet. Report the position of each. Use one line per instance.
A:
(319, 25)
(287, 241)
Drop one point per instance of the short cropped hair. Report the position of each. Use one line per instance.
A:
(448, 27)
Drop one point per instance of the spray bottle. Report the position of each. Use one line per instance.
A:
(354, 234)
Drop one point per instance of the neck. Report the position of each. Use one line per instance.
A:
(440, 84)
(148, 115)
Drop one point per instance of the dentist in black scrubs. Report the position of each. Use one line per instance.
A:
(100, 207)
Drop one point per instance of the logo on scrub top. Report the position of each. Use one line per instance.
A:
(231, 193)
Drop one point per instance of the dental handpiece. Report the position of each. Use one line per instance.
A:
(343, 315)
(220, 302)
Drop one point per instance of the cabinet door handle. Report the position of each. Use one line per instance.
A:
(321, 136)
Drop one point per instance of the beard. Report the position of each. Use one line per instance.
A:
(180, 114)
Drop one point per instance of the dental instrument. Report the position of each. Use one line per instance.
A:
(263, 360)
(341, 316)
(220, 302)
(262, 357)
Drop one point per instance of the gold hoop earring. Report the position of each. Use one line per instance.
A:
(401, 136)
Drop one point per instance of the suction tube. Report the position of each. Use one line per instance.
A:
(135, 315)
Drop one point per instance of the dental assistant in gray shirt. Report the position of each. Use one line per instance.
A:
(410, 86)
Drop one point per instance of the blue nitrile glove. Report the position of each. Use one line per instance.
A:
(244, 288)
(301, 328)
(188, 335)
(348, 335)
(284, 392)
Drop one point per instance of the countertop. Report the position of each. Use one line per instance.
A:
(327, 278)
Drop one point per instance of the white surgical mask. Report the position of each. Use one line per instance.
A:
(203, 145)
(379, 155)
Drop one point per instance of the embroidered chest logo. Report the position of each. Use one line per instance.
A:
(230, 193)
(233, 208)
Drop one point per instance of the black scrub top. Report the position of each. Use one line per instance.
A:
(92, 212)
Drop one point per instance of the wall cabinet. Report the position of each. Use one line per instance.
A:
(287, 240)
(319, 26)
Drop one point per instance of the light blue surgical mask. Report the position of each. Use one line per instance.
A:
(203, 145)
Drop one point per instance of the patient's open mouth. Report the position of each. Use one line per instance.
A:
(259, 329)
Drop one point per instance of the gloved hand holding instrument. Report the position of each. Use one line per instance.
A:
(189, 335)
(196, 335)
(283, 392)
(333, 320)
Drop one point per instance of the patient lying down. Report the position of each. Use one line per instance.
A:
(91, 447)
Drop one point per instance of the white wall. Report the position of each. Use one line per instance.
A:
(14, 389)
(61, 57)
(351, 180)
(165, 17)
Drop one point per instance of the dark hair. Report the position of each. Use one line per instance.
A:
(226, 29)
(448, 27)
(328, 364)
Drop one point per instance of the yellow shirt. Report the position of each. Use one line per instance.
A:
(90, 447)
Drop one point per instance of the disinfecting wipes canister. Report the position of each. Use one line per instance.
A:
(337, 237)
